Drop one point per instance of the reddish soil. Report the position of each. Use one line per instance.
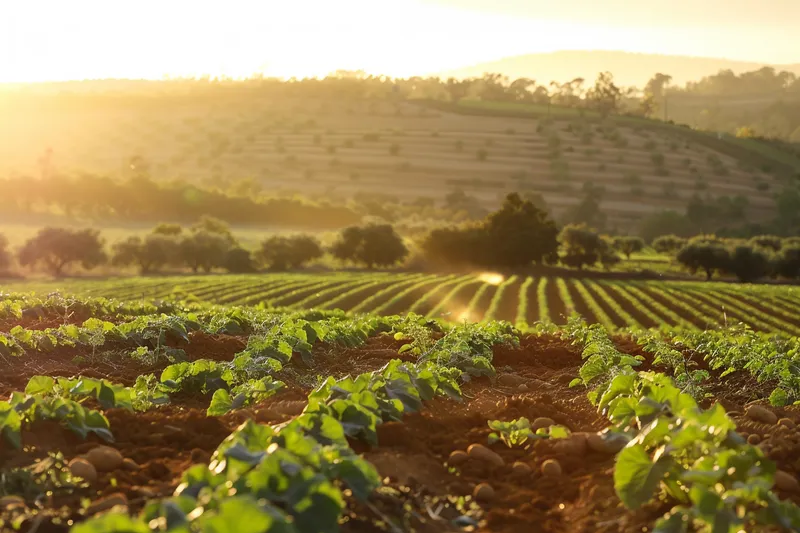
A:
(405, 302)
(615, 318)
(633, 310)
(533, 302)
(412, 454)
(555, 305)
(507, 309)
(360, 295)
(483, 302)
(580, 304)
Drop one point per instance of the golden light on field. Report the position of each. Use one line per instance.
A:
(82, 39)
(492, 278)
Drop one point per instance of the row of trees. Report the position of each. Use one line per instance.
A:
(140, 199)
(760, 257)
(205, 246)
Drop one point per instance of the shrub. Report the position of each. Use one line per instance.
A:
(6, 258)
(482, 154)
(657, 158)
(668, 244)
(394, 149)
(150, 254)
(748, 263)
(238, 261)
(710, 257)
(459, 144)
(628, 245)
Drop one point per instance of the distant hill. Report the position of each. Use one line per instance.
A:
(628, 68)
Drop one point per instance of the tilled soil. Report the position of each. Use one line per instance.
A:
(412, 454)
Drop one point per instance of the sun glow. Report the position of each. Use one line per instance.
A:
(492, 278)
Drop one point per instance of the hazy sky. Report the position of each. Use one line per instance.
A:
(73, 39)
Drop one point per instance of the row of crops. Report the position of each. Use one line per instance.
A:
(521, 300)
(305, 475)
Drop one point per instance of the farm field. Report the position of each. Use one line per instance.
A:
(142, 416)
(317, 148)
(519, 300)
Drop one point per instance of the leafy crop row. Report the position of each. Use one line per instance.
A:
(676, 450)
(295, 476)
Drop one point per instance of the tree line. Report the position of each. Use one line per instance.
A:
(517, 236)
(521, 234)
(141, 199)
(207, 245)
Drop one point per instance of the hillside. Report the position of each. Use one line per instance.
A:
(628, 68)
(404, 150)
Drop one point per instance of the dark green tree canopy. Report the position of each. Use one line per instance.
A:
(54, 249)
(281, 252)
(628, 245)
(372, 245)
(581, 246)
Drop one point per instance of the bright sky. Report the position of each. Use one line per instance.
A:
(76, 39)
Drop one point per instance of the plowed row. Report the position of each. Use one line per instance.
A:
(475, 297)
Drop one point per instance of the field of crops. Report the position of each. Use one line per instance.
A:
(473, 297)
(401, 149)
(143, 416)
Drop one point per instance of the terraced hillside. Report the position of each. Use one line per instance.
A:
(402, 149)
(472, 297)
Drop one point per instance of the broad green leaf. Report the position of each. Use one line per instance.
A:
(40, 385)
(636, 476)
(220, 403)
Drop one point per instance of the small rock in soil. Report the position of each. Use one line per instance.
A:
(510, 380)
(483, 492)
(482, 453)
(761, 414)
(606, 442)
(523, 388)
(104, 504)
(753, 439)
(786, 481)
(104, 458)
(457, 457)
(542, 422)
(147, 492)
(83, 469)
(520, 469)
(787, 422)
(130, 465)
(551, 468)
(200, 456)
(575, 444)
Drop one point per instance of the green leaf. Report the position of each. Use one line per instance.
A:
(677, 521)
(40, 385)
(111, 523)
(220, 403)
(244, 515)
(636, 476)
(779, 398)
